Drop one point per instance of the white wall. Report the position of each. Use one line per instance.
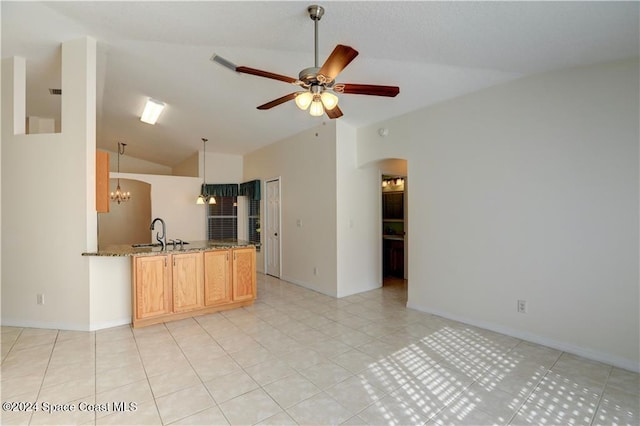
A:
(43, 234)
(110, 299)
(306, 164)
(173, 198)
(528, 190)
(358, 222)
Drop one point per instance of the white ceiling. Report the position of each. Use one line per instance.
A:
(432, 50)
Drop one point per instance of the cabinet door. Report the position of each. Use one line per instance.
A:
(217, 273)
(187, 281)
(244, 274)
(102, 182)
(152, 286)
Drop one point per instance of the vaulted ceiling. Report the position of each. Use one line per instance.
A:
(432, 50)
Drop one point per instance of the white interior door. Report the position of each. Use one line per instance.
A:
(273, 227)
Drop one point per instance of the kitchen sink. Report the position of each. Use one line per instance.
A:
(144, 245)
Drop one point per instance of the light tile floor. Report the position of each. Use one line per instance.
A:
(299, 357)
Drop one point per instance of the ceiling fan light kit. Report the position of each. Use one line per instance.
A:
(318, 82)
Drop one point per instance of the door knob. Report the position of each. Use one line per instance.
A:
(276, 234)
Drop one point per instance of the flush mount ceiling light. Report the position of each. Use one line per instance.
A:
(152, 111)
(205, 198)
(120, 196)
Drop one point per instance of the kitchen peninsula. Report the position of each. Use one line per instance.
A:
(184, 280)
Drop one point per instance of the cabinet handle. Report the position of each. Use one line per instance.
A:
(227, 257)
(165, 262)
(174, 261)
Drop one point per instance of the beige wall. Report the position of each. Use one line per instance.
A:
(306, 165)
(528, 190)
(48, 211)
(135, 165)
(189, 167)
(128, 222)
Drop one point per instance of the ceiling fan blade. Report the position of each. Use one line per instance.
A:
(336, 112)
(265, 74)
(367, 89)
(336, 62)
(222, 61)
(279, 101)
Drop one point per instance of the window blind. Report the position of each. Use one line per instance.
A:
(222, 219)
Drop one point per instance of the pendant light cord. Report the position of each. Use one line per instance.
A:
(120, 152)
(204, 168)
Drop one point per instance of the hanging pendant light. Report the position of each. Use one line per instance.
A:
(204, 198)
(120, 196)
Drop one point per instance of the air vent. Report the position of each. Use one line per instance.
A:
(55, 91)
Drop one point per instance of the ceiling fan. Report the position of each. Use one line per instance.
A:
(318, 82)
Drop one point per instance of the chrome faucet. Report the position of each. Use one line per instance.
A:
(162, 239)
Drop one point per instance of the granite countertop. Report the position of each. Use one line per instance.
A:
(128, 250)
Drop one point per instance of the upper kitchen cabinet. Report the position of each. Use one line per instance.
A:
(102, 182)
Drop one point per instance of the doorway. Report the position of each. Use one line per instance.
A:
(273, 248)
(393, 227)
(393, 187)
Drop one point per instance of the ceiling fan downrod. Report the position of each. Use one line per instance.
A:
(315, 13)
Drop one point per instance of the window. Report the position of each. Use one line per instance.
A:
(222, 219)
(254, 223)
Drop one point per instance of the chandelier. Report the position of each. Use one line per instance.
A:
(120, 196)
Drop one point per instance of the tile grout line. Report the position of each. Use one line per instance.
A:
(95, 376)
(13, 344)
(534, 389)
(145, 371)
(604, 387)
(44, 375)
(195, 371)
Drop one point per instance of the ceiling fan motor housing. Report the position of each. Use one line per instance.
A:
(315, 12)
(309, 75)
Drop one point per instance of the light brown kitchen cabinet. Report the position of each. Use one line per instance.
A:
(102, 182)
(244, 274)
(152, 295)
(187, 281)
(217, 277)
(174, 286)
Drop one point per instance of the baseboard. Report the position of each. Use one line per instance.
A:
(363, 289)
(607, 358)
(110, 324)
(54, 325)
(308, 286)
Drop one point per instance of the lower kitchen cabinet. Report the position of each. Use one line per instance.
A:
(244, 276)
(217, 277)
(152, 289)
(187, 277)
(179, 285)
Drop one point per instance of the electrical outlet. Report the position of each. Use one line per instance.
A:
(40, 299)
(522, 306)
(315, 271)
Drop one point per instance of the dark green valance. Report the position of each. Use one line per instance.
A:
(221, 189)
(250, 189)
